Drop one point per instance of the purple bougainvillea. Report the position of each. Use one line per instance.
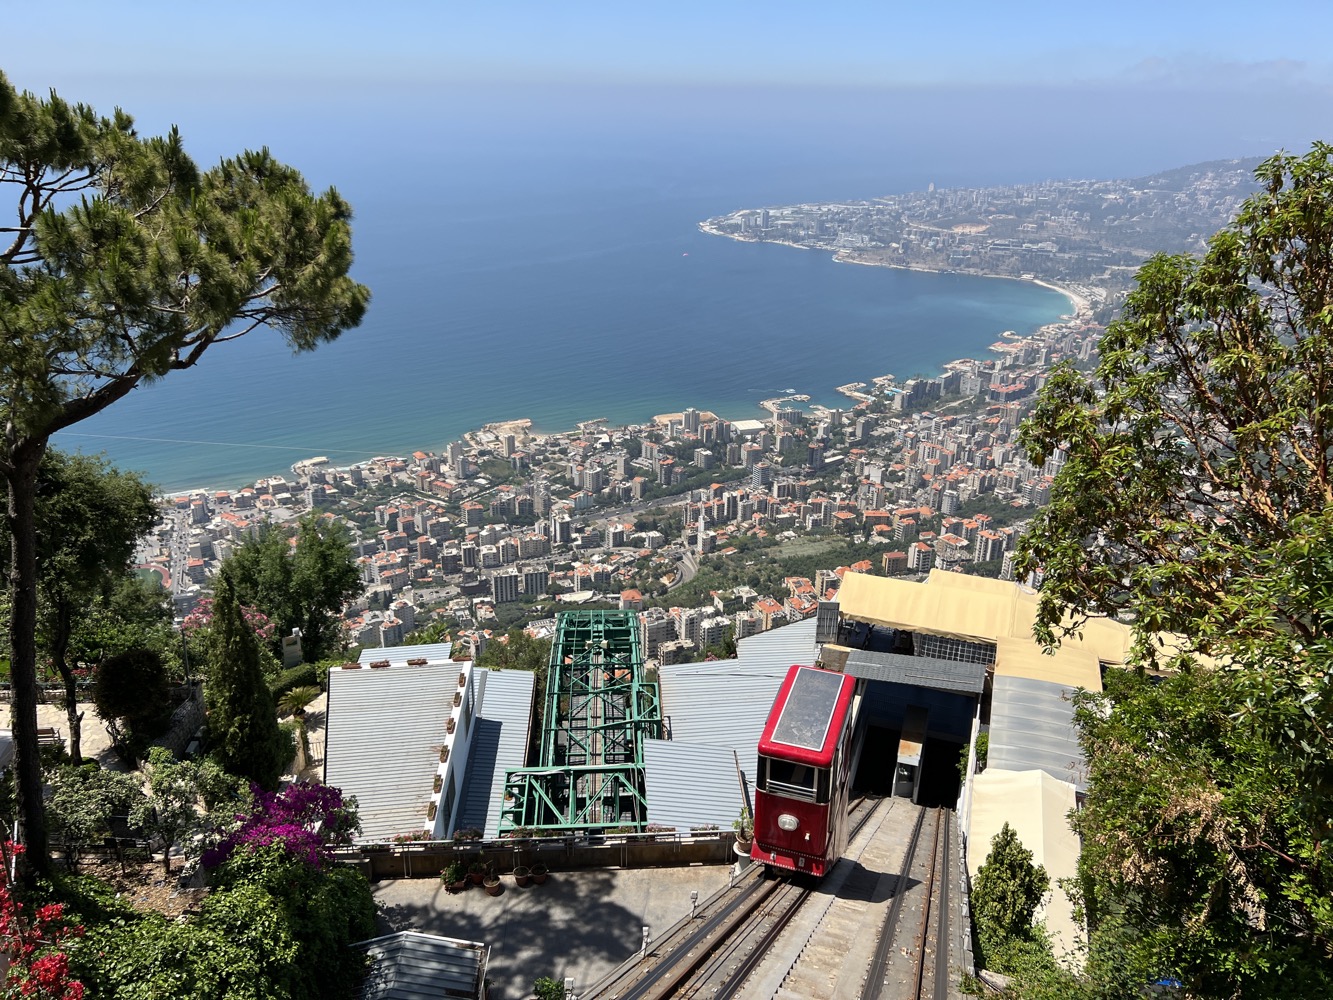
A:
(309, 820)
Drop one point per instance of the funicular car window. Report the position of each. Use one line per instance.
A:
(785, 777)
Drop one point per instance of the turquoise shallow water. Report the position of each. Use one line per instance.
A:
(538, 280)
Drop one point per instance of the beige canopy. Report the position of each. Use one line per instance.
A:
(1036, 806)
(976, 609)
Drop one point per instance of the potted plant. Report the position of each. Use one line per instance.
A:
(744, 827)
(522, 876)
(491, 883)
(439, 783)
(539, 874)
(454, 876)
(476, 871)
(547, 988)
(458, 698)
(462, 678)
(449, 726)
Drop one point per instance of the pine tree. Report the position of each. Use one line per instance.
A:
(121, 262)
(242, 719)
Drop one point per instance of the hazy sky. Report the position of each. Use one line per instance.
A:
(1192, 79)
(875, 43)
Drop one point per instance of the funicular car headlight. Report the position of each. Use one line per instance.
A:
(788, 822)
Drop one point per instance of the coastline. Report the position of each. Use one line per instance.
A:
(1079, 305)
(525, 429)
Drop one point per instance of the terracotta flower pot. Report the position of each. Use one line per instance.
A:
(491, 883)
(522, 875)
(456, 887)
(539, 874)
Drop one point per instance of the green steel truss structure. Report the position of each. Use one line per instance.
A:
(599, 711)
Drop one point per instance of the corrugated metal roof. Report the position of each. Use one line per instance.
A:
(499, 743)
(725, 703)
(921, 671)
(411, 965)
(1032, 728)
(380, 730)
(433, 652)
(690, 784)
(717, 708)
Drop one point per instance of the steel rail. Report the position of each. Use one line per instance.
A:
(879, 965)
(943, 941)
(918, 979)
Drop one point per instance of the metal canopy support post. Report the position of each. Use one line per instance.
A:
(599, 712)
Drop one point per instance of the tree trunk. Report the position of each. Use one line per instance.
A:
(59, 646)
(22, 476)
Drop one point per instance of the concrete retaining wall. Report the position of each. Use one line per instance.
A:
(428, 859)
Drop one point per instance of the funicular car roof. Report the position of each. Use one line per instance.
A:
(807, 716)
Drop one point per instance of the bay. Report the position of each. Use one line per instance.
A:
(557, 275)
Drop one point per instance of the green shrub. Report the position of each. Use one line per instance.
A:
(301, 675)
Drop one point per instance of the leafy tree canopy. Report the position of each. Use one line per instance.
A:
(94, 516)
(83, 801)
(516, 651)
(130, 693)
(273, 927)
(179, 798)
(1200, 444)
(303, 586)
(1196, 498)
(1008, 887)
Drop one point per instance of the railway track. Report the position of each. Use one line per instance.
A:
(873, 929)
(714, 952)
(794, 939)
(912, 958)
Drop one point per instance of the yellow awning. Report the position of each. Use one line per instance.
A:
(972, 608)
(1067, 666)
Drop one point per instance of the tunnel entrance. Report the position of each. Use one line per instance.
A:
(874, 774)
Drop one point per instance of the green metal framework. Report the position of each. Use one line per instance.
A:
(599, 710)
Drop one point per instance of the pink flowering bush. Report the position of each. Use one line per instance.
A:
(200, 620)
(307, 819)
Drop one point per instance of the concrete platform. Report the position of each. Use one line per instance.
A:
(580, 923)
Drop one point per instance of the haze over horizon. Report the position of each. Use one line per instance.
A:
(1146, 87)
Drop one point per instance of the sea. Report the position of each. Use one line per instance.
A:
(549, 267)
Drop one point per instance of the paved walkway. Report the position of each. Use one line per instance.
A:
(580, 924)
(94, 741)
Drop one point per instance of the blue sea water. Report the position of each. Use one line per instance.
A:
(557, 274)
